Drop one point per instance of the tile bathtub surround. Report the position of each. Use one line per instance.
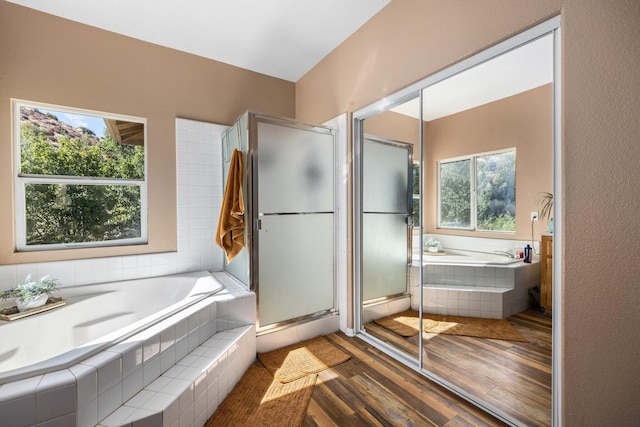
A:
(97, 387)
(198, 197)
(55, 396)
(490, 292)
(500, 277)
(190, 392)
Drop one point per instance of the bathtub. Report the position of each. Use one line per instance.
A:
(464, 257)
(94, 318)
(158, 351)
(472, 283)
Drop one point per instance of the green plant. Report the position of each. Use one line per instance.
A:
(31, 288)
(432, 243)
(545, 201)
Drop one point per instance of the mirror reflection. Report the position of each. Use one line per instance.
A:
(471, 313)
(391, 140)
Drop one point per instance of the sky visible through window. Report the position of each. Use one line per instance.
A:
(96, 124)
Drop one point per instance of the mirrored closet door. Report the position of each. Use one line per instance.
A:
(481, 139)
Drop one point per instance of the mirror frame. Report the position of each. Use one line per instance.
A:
(551, 26)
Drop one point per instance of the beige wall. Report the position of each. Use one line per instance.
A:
(56, 61)
(411, 39)
(523, 122)
(395, 126)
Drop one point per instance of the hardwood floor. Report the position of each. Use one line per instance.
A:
(512, 378)
(372, 389)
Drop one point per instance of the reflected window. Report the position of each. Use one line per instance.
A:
(478, 192)
(415, 202)
(80, 178)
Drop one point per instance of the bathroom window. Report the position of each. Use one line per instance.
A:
(415, 202)
(478, 192)
(80, 178)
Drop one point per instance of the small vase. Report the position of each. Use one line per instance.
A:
(31, 303)
(432, 248)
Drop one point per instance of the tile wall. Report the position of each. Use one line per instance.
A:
(496, 293)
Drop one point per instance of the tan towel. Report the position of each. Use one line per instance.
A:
(230, 233)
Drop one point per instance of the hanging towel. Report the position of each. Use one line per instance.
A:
(230, 233)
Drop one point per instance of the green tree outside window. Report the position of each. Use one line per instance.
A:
(478, 192)
(78, 187)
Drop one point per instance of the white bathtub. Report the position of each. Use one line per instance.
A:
(160, 351)
(94, 318)
(463, 257)
(470, 283)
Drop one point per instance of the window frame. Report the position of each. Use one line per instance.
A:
(21, 180)
(416, 196)
(473, 226)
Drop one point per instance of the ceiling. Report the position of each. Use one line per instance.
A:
(519, 70)
(279, 38)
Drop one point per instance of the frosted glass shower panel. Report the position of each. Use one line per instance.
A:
(385, 177)
(296, 266)
(385, 217)
(295, 168)
(384, 257)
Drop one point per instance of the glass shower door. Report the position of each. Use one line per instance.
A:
(294, 232)
(386, 217)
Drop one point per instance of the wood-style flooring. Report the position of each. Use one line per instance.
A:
(512, 378)
(372, 389)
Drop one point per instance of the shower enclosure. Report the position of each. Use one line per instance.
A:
(289, 255)
(386, 218)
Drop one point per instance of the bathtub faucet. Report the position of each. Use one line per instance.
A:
(507, 253)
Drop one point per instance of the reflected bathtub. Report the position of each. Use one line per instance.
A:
(477, 284)
(94, 318)
(469, 258)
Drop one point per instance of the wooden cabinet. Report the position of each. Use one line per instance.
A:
(546, 273)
